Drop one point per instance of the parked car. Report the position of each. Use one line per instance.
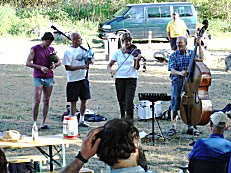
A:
(139, 19)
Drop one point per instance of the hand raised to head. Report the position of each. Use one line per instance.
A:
(88, 148)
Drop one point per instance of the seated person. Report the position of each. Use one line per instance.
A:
(117, 144)
(215, 148)
(3, 162)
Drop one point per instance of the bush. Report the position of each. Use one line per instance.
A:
(83, 16)
(7, 18)
(21, 27)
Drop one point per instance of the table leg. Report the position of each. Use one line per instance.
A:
(64, 154)
(51, 158)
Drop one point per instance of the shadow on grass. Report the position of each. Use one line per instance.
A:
(36, 39)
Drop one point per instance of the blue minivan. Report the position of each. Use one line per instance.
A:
(139, 19)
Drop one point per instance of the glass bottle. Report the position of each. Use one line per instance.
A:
(35, 132)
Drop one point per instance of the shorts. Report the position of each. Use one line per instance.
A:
(78, 89)
(177, 85)
(173, 43)
(43, 82)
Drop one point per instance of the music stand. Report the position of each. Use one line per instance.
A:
(153, 97)
(153, 124)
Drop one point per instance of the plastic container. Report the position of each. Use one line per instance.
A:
(144, 110)
(70, 127)
(158, 108)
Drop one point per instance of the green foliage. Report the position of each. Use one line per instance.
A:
(215, 9)
(219, 28)
(7, 18)
(32, 15)
(21, 27)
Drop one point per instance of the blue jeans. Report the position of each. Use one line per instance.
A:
(177, 85)
(173, 43)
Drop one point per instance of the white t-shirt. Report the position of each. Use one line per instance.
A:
(127, 70)
(75, 57)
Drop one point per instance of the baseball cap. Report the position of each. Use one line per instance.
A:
(219, 119)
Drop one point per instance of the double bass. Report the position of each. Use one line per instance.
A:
(195, 105)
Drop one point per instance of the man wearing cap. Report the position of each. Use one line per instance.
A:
(176, 28)
(215, 148)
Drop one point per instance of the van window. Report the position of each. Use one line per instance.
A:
(121, 12)
(135, 13)
(157, 12)
(183, 10)
(165, 12)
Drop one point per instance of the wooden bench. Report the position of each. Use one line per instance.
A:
(41, 159)
(82, 170)
(86, 170)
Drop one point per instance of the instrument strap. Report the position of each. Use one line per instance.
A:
(125, 59)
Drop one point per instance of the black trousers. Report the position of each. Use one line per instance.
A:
(125, 89)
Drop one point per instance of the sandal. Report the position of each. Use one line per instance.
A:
(171, 132)
(193, 132)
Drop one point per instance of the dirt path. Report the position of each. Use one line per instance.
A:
(15, 50)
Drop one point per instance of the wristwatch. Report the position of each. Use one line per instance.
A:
(80, 157)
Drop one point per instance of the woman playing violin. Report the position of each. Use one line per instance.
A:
(128, 59)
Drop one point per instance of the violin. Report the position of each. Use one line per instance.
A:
(132, 50)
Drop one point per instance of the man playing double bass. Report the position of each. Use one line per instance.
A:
(178, 64)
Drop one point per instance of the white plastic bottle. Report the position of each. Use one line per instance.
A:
(35, 132)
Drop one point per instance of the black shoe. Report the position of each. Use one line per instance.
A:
(193, 132)
(83, 124)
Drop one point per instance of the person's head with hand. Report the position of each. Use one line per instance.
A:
(90, 144)
(120, 145)
(89, 148)
(117, 144)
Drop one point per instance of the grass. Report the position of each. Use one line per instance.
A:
(164, 156)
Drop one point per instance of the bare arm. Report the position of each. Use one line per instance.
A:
(137, 62)
(169, 36)
(30, 58)
(201, 49)
(180, 73)
(109, 67)
(88, 150)
(73, 68)
(58, 63)
(29, 62)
